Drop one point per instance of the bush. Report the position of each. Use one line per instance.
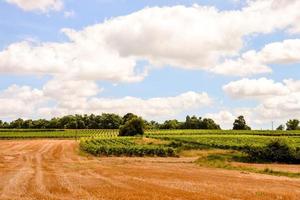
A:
(132, 127)
(276, 151)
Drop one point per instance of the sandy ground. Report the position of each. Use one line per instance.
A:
(52, 169)
(276, 167)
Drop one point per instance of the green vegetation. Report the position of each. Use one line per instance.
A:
(41, 133)
(240, 124)
(293, 124)
(237, 142)
(277, 150)
(225, 159)
(125, 146)
(133, 126)
(106, 121)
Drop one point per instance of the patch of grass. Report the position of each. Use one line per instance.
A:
(223, 160)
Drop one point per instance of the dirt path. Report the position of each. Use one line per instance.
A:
(52, 169)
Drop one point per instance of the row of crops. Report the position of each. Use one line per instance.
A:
(23, 134)
(60, 133)
(124, 146)
(224, 141)
(172, 144)
(223, 132)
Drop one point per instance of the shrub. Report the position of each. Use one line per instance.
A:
(132, 127)
(276, 151)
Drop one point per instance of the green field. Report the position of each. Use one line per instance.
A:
(79, 133)
(67, 134)
(157, 142)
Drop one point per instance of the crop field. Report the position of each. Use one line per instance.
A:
(176, 164)
(40, 133)
(79, 133)
(225, 141)
(127, 146)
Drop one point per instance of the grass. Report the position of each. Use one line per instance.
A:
(224, 160)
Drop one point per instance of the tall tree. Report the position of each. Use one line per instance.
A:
(292, 124)
(240, 124)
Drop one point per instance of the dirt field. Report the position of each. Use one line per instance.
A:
(52, 169)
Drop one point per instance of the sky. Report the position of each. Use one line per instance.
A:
(160, 59)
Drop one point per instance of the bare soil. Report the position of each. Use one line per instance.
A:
(53, 169)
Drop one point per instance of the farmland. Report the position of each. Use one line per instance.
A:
(53, 169)
(98, 164)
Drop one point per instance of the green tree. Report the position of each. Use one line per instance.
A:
(170, 124)
(132, 127)
(110, 121)
(18, 123)
(280, 127)
(128, 117)
(208, 123)
(240, 124)
(292, 124)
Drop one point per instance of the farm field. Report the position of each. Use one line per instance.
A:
(73, 133)
(53, 169)
(163, 164)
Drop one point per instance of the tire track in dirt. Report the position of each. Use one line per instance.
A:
(52, 169)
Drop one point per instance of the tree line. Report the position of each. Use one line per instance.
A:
(114, 121)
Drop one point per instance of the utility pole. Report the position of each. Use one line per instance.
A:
(272, 125)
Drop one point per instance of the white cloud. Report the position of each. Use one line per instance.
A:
(196, 37)
(277, 101)
(224, 117)
(38, 5)
(83, 59)
(20, 101)
(255, 88)
(62, 97)
(252, 62)
(154, 107)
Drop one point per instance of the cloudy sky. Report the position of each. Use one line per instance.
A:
(161, 59)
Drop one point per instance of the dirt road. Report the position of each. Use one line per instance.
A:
(52, 169)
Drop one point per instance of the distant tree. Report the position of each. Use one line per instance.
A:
(110, 121)
(1, 124)
(27, 124)
(292, 124)
(240, 124)
(18, 123)
(132, 127)
(280, 127)
(208, 123)
(170, 124)
(40, 124)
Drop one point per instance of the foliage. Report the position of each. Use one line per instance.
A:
(132, 127)
(124, 147)
(280, 127)
(275, 151)
(292, 124)
(240, 124)
(106, 121)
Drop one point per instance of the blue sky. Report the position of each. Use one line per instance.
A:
(259, 79)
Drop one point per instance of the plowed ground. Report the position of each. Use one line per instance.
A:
(53, 169)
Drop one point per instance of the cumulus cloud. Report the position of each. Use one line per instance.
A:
(38, 5)
(62, 97)
(18, 101)
(278, 101)
(224, 117)
(81, 59)
(196, 37)
(255, 88)
(252, 62)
